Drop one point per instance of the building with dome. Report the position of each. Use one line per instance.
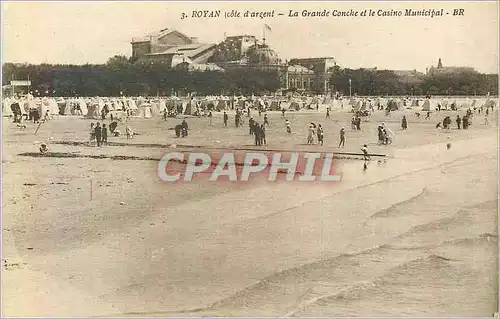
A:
(262, 54)
(177, 50)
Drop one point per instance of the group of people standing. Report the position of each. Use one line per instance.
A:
(181, 130)
(315, 131)
(258, 131)
(384, 134)
(356, 123)
(99, 134)
(464, 121)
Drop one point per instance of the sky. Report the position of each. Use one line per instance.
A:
(90, 32)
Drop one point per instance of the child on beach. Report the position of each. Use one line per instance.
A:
(342, 137)
(366, 156)
(288, 127)
(43, 149)
(130, 133)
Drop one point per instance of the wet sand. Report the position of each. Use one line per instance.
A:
(413, 236)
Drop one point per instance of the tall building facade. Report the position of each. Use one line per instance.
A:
(236, 52)
(322, 71)
(171, 47)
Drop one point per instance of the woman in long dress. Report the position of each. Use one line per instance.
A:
(310, 135)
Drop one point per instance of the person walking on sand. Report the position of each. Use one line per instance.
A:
(257, 135)
(263, 134)
(320, 135)
(237, 119)
(310, 135)
(266, 120)
(251, 126)
(98, 134)
(130, 133)
(210, 118)
(486, 119)
(104, 135)
(327, 112)
(465, 122)
(47, 116)
(342, 138)
(366, 156)
(226, 118)
(353, 123)
(404, 123)
(458, 121)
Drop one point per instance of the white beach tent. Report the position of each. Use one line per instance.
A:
(426, 106)
(145, 111)
(133, 104)
(163, 105)
(285, 105)
(6, 111)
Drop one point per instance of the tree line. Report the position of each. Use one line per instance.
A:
(385, 82)
(121, 76)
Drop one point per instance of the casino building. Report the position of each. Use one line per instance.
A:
(171, 47)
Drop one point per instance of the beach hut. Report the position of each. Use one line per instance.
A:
(415, 103)
(6, 110)
(427, 105)
(145, 111)
(91, 110)
(356, 107)
(284, 105)
(83, 107)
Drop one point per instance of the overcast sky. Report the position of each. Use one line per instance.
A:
(81, 32)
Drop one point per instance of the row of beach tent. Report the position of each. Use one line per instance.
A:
(93, 107)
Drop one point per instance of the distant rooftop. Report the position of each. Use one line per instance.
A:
(157, 35)
(319, 58)
(187, 49)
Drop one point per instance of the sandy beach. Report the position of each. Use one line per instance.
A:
(416, 235)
